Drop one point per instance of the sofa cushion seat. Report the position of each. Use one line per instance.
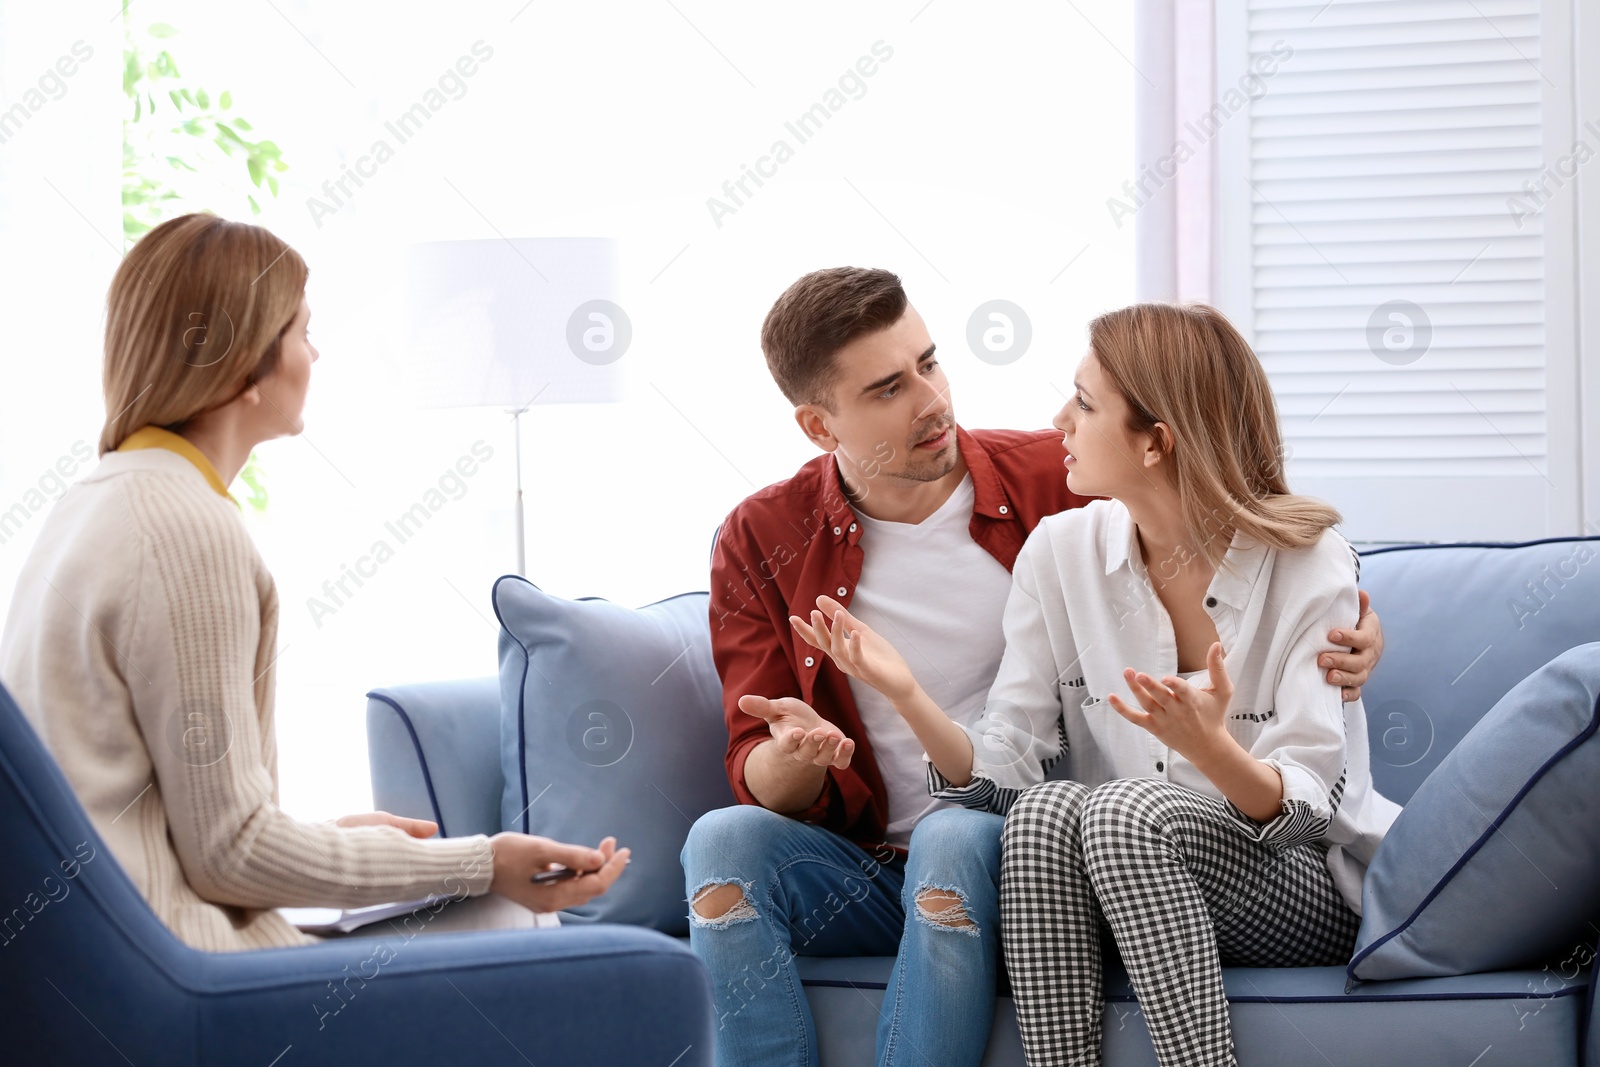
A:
(1281, 1015)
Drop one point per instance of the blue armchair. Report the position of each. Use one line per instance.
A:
(90, 975)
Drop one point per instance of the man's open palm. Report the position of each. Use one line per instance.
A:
(799, 732)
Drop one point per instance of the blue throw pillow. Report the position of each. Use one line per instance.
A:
(1495, 860)
(611, 724)
(1465, 623)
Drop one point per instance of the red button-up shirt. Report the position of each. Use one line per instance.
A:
(783, 546)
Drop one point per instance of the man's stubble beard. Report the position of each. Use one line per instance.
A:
(930, 469)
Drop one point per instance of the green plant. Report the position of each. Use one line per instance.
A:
(178, 137)
(251, 476)
(180, 153)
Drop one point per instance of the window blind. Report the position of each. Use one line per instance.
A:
(1397, 179)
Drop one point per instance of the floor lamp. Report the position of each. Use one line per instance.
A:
(513, 324)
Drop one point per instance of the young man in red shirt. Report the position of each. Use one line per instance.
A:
(836, 841)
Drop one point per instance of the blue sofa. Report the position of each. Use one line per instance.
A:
(1463, 624)
(89, 975)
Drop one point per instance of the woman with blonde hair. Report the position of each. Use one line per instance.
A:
(1163, 643)
(142, 635)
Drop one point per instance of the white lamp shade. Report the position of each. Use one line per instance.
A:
(513, 322)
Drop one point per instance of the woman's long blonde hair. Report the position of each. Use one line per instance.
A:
(1186, 366)
(195, 315)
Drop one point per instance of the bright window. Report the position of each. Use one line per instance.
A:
(976, 159)
(1398, 221)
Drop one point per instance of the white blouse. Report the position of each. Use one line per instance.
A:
(1082, 608)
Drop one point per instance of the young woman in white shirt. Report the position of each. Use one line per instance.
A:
(1163, 646)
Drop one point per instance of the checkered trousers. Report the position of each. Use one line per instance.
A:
(1182, 888)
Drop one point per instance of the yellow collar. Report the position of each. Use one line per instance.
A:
(156, 437)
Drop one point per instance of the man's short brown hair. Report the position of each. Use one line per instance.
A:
(817, 316)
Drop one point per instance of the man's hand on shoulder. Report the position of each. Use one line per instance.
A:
(1351, 671)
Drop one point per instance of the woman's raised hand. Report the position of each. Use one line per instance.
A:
(1185, 717)
(858, 650)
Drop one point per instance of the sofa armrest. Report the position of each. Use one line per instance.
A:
(596, 994)
(434, 748)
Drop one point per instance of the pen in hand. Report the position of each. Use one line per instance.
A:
(558, 874)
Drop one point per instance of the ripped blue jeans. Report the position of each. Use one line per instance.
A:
(805, 891)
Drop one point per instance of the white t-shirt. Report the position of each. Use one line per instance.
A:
(939, 598)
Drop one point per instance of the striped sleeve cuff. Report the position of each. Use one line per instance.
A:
(980, 794)
(1297, 822)
(984, 792)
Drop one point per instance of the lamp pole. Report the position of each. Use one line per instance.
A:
(522, 548)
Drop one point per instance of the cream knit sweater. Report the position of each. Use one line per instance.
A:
(140, 645)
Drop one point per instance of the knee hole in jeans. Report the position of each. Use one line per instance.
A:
(945, 908)
(722, 904)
